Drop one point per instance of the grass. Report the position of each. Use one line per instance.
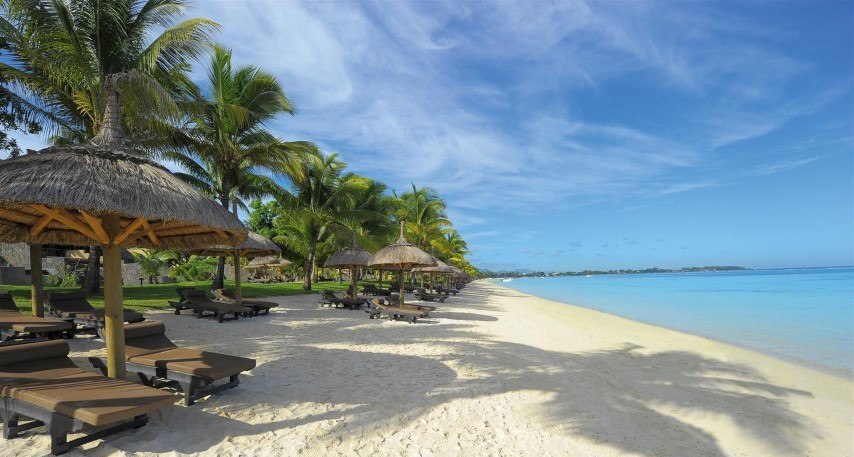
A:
(157, 296)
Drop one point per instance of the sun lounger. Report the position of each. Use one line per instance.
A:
(228, 296)
(371, 289)
(159, 362)
(422, 294)
(442, 290)
(329, 298)
(14, 324)
(73, 305)
(38, 381)
(379, 308)
(198, 301)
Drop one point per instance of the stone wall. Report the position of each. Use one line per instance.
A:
(15, 255)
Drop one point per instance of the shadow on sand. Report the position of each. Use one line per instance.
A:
(339, 358)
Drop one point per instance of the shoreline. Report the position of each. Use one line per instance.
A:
(845, 375)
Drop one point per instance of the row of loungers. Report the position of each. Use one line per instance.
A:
(40, 384)
(225, 305)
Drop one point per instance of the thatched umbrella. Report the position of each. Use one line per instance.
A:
(262, 263)
(267, 262)
(441, 268)
(108, 194)
(401, 255)
(353, 258)
(255, 245)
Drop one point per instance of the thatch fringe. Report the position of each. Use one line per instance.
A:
(354, 256)
(101, 181)
(255, 245)
(401, 255)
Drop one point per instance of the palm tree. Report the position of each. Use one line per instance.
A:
(226, 148)
(68, 61)
(323, 197)
(424, 213)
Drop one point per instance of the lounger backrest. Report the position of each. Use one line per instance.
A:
(32, 352)
(184, 292)
(146, 338)
(69, 302)
(6, 302)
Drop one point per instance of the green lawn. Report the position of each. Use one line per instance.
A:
(155, 296)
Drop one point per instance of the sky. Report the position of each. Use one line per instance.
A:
(582, 135)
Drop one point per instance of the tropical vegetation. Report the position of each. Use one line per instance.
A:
(73, 68)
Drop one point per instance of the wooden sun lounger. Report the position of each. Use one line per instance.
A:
(422, 294)
(198, 301)
(374, 290)
(73, 305)
(329, 298)
(14, 324)
(378, 309)
(38, 381)
(228, 296)
(442, 290)
(159, 362)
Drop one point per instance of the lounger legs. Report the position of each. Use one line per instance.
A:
(59, 443)
(194, 388)
(57, 425)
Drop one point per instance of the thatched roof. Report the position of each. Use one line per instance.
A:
(456, 271)
(268, 262)
(440, 268)
(59, 195)
(354, 256)
(255, 245)
(401, 255)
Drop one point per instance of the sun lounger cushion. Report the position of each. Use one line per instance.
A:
(28, 324)
(196, 362)
(11, 355)
(146, 344)
(41, 374)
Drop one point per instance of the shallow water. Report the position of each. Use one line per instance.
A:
(806, 315)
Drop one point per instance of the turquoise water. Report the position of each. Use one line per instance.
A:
(806, 315)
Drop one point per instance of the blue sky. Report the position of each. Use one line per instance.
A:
(576, 135)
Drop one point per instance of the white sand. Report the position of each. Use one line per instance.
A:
(495, 372)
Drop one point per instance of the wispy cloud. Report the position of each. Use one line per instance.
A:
(472, 97)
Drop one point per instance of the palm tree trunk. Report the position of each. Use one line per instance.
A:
(310, 271)
(219, 277)
(92, 282)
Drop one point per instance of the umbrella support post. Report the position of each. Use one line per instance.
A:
(36, 279)
(238, 288)
(402, 288)
(114, 331)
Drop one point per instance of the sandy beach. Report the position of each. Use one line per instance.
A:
(491, 372)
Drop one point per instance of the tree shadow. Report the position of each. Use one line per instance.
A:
(350, 375)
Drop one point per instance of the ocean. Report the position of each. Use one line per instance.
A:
(804, 315)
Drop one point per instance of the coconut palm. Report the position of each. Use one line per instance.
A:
(226, 149)
(67, 61)
(424, 213)
(322, 198)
